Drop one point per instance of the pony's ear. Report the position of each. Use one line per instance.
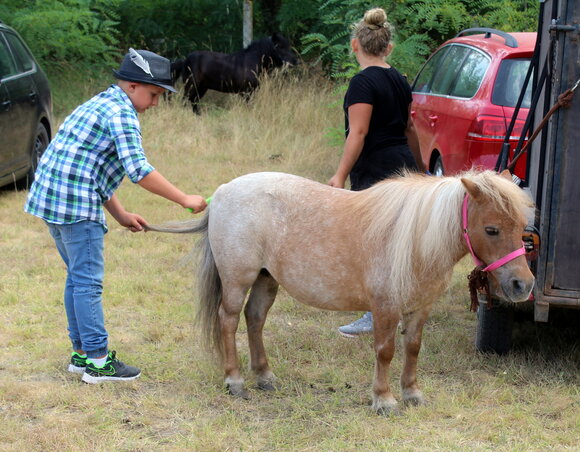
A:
(506, 175)
(471, 187)
(279, 39)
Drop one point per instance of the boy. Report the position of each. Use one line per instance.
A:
(95, 147)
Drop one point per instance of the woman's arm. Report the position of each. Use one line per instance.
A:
(413, 141)
(359, 118)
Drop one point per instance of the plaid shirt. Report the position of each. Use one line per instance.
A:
(95, 147)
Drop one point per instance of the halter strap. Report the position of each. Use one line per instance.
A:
(494, 265)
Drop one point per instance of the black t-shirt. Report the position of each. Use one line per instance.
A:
(385, 149)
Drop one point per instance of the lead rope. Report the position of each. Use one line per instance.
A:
(564, 100)
(478, 280)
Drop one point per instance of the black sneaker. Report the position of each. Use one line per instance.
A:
(77, 364)
(113, 370)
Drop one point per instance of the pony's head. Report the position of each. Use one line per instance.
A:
(283, 53)
(498, 212)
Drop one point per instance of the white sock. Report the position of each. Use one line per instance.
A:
(99, 362)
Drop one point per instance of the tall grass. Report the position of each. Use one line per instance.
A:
(525, 401)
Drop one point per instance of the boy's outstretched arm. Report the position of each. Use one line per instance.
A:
(132, 221)
(156, 183)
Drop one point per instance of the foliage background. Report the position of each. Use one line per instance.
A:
(92, 34)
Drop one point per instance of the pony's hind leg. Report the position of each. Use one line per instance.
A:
(259, 303)
(412, 333)
(229, 317)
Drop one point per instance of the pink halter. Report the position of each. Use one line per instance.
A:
(491, 267)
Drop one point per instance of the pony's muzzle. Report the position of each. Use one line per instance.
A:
(518, 289)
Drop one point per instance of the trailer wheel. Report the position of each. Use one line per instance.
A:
(494, 328)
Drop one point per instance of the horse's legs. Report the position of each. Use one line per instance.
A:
(229, 316)
(194, 90)
(195, 96)
(412, 331)
(385, 322)
(261, 299)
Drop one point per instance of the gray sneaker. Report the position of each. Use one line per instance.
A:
(364, 325)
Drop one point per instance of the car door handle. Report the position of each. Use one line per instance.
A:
(32, 96)
(5, 105)
(433, 118)
(413, 114)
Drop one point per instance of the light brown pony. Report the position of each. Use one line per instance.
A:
(389, 249)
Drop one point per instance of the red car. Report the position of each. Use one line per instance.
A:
(464, 98)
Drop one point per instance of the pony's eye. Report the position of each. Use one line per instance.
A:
(490, 230)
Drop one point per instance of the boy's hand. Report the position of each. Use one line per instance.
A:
(195, 203)
(132, 221)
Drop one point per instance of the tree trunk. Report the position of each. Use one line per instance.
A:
(248, 32)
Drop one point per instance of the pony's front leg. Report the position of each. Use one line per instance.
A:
(229, 315)
(384, 330)
(412, 332)
(194, 92)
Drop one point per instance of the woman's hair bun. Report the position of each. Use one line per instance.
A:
(376, 16)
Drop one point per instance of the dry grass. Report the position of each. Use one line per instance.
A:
(525, 401)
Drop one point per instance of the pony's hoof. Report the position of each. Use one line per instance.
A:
(414, 398)
(414, 401)
(238, 391)
(266, 386)
(386, 407)
(389, 411)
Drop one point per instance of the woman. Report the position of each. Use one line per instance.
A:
(380, 136)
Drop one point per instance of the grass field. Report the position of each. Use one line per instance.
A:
(528, 400)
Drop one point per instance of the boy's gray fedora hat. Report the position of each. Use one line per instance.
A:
(143, 66)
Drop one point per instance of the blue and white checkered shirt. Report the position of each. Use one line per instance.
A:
(95, 147)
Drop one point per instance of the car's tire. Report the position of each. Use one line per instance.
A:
(494, 328)
(39, 145)
(438, 167)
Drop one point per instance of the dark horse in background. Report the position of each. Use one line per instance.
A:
(237, 72)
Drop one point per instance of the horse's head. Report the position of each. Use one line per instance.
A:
(283, 53)
(498, 212)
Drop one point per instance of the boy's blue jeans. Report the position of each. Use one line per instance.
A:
(81, 247)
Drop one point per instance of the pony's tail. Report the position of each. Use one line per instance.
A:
(180, 227)
(208, 280)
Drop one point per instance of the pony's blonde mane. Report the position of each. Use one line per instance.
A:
(421, 218)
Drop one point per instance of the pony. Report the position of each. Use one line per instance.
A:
(231, 73)
(389, 249)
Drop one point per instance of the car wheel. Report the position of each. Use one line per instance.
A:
(494, 328)
(438, 167)
(38, 147)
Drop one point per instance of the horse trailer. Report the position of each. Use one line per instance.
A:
(553, 173)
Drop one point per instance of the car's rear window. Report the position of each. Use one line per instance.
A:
(455, 70)
(423, 81)
(509, 82)
(470, 75)
(447, 71)
(23, 58)
(7, 65)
